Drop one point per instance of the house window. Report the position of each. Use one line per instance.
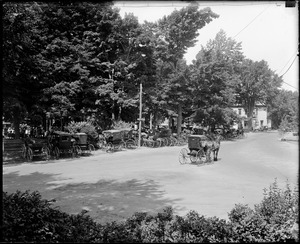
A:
(240, 111)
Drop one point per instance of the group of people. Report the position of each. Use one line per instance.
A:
(25, 131)
(28, 131)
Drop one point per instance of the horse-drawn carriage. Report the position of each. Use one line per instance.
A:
(114, 140)
(159, 138)
(82, 144)
(62, 143)
(35, 147)
(164, 136)
(200, 148)
(130, 138)
(196, 150)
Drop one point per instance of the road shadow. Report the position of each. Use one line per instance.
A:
(104, 201)
(108, 201)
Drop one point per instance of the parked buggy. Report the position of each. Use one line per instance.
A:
(35, 147)
(165, 137)
(114, 140)
(129, 138)
(62, 143)
(196, 151)
(82, 144)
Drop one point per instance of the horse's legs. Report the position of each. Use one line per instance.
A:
(208, 154)
(216, 154)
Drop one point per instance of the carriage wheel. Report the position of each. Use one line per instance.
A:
(100, 144)
(151, 143)
(29, 155)
(171, 141)
(46, 152)
(91, 148)
(78, 150)
(75, 151)
(147, 143)
(201, 156)
(144, 143)
(110, 147)
(175, 142)
(122, 145)
(56, 153)
(181, 141)
(183, 156)
(130, 144)
(193, 156)
(24, 151)
(160, 142)
(136, 142)
(166, 142)
(157, 143)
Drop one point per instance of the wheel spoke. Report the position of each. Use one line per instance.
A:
(183, 156)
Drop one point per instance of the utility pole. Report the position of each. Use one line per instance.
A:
(140, 117)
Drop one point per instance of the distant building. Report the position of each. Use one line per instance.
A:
(259, 118)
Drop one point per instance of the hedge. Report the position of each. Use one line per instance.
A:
(29, 218)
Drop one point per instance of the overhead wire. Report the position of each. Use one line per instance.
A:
(287, 71)
(290, 85)
(287, 62)
(289, 66)
(252, 21)
(289, 59)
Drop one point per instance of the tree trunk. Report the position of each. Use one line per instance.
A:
(16, 114)
(250, 114)
(113, 116)
(172, 124)
(119, 113)
(179, 119)
(151, 118)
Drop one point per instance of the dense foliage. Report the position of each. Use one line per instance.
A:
(29, 218)
(80, 61)
(284, 110)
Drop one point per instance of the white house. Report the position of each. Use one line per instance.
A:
(259, 118)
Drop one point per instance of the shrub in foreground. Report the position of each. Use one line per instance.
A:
(273, 220)
(29, 218)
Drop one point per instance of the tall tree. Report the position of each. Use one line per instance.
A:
(257, 84)
(73, 58)
(213, 77)
(134, 65)
(284, 107)
(21, 80)
(175, 34)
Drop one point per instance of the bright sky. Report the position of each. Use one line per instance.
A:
(267, 30)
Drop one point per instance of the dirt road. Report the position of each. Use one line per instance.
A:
(114, 186)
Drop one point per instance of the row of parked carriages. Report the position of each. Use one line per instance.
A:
(60, 143)
(57, 144)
